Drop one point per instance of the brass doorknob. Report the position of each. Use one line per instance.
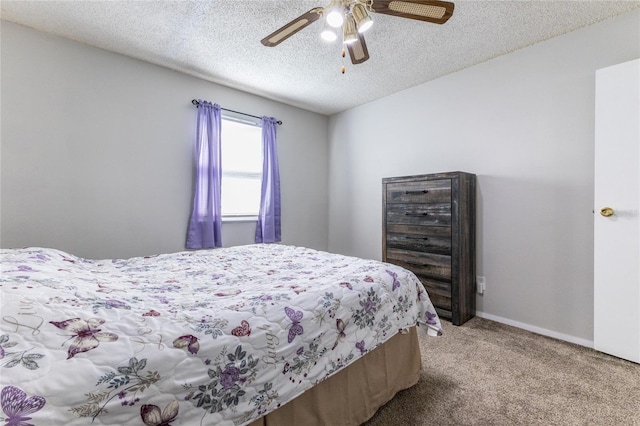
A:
(606, 211)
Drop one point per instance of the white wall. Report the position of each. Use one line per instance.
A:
(524, 123)
(97, 152)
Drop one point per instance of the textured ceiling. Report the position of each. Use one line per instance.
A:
(219, 41)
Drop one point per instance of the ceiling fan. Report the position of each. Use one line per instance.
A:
(354, 18)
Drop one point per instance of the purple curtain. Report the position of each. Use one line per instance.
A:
(205, 226)
(268, 229)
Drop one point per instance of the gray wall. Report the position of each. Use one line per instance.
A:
(97, 152)
(96, 158)
(524, 123)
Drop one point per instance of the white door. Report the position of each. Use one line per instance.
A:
(617, 186)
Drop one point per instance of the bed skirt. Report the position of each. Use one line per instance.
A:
(353, 395)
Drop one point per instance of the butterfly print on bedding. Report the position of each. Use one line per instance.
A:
(151, 415)
(87, 334)
(419, 291)
(431, 318)
(346, 285)
(188, 341)
(340, 326)
(104, 289)
(17, 407)
(296, 328)
(396, 283)
(242, 330)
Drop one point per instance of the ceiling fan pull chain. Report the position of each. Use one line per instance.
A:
(343, 55)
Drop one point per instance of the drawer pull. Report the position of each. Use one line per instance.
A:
(422, 191)
(408, 262)
(416, 214)
(408, 237)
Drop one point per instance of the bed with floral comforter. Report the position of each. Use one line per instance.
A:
(199, 337)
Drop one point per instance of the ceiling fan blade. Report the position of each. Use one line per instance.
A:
(358, 50)
(435, 11)
(281, 34)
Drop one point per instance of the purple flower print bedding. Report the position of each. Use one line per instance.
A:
(198, 337)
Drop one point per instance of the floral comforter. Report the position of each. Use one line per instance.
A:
(200, 337)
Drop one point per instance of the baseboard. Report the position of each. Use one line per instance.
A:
(538, 330)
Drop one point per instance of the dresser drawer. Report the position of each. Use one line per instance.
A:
(433, 191)
(419, 214)
(445, 314)
(439, 292)
(430, 239)
(426, 265)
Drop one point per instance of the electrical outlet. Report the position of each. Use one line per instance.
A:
(481, 284)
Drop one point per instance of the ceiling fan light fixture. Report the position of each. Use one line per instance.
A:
(354, 17)
(349, 34)
(328, 33)
(334, 14)
(362, 18)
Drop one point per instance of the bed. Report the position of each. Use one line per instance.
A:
(257, 334)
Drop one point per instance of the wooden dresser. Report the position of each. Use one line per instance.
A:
(429, 228)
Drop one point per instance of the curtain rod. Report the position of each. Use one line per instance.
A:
(196, 103)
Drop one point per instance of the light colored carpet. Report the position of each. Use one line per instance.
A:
(487, 373)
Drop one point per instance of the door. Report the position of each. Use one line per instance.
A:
(616, 212)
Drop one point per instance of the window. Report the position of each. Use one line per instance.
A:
(241, 167)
